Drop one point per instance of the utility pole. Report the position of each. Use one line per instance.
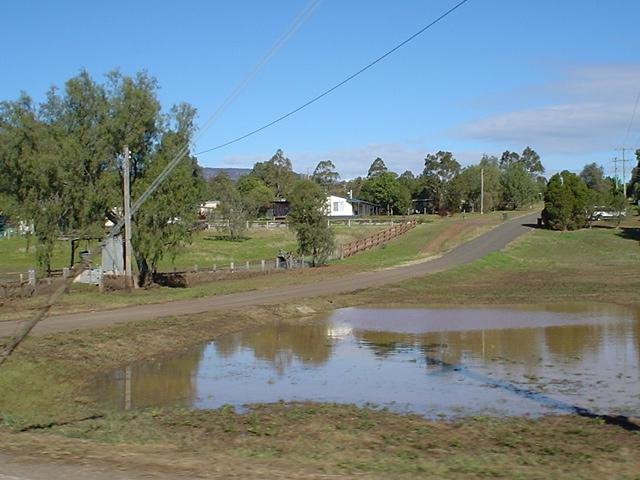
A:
(482, 191)
(127, 218)
(624, 171)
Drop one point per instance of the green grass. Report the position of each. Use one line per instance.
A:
(18, 254)
(406, 248)
(410, 246)
(208, 248)
(402, 249)
(596, 265)
(43, 383)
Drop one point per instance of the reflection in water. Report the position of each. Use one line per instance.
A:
(142, 384)
(434, 362)
(281, 344)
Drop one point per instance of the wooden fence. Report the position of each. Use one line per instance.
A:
(379, 238)
(28, 285)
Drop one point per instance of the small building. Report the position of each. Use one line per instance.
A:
(338, 207)
(362, 208)
(279, 209)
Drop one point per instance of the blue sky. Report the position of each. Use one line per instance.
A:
(560, 76)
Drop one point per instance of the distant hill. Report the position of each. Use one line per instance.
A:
(234, 173)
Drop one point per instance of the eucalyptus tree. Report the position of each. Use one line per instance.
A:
(439, 170)
(61, 163)
(325, 175)
(276, 173)
(307, 218)
(377, 167)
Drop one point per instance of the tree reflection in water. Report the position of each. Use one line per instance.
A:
(561, 351)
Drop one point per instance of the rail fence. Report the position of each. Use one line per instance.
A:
(378, 238)
(27, 284)
(273, 224)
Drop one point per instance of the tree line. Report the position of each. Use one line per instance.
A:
(444, 186)
(61, 170)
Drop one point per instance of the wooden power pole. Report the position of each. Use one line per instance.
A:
(624, 172)
(127, 218)
(481, 191)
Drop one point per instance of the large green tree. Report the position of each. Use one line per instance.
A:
(255, 194)
(565, 202)
(276, 173)
(439, 170)
(61, 162)
(518, 186)
(325, 175)
(593, 176)
(634, 183)
(376, 168)
(307, 217)
(232, 208)
(468, 184)
(385, 190)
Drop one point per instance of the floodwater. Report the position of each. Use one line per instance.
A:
(434, 362)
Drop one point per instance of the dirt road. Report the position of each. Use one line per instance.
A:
(494, 240)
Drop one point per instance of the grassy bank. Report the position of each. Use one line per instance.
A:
(591, 265)
(44, 393)
(44, 384)
(427, 239)
(208, 247)
(318, 441)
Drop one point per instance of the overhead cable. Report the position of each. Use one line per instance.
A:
(337, 85)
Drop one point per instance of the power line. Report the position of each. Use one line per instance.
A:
(306, 13)
(42, 313)
(633, 116)
(297, 22)
(337, 85)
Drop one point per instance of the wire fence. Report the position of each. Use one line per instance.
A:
(20, 284)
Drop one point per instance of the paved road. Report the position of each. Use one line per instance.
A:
(494, 240)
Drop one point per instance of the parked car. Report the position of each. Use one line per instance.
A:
(603, 213)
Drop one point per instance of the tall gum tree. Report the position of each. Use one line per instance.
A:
(60, 162)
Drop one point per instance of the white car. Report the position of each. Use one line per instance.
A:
(602, 213)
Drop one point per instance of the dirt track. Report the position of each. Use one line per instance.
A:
(494, 240)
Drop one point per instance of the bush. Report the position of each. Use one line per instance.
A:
(565, 202)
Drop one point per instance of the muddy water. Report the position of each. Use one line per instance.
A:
(435, 362)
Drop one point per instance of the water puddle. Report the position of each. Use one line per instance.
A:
(435, 362)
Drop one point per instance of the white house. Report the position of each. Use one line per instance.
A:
(338, 207)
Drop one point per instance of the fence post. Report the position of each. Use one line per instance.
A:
(248, 265)
(65, 272)
(215, 267)
(195, 268)
(262, 265)
(32, 277)
(277, 263)
(232, 267)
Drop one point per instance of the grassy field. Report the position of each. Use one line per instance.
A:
(426, 240)
(18, 254)
(43, 385)
(591, 265)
